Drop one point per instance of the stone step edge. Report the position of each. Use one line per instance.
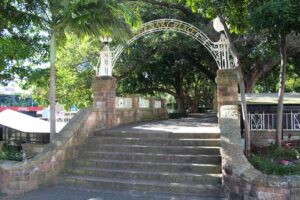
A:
(115, 170)
(122, 135)
(175, 147)
(156, 138)
(150, 154)
(150, 163)
(139, 194)
(122, 131)
(154, 183)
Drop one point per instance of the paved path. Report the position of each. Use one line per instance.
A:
(200, 124)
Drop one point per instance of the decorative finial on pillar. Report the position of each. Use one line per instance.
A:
(106, 57)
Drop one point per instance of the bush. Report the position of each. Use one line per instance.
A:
(11, 152)
(269, 163)
(281, 153)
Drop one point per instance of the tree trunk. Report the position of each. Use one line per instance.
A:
(179, 91)
(52, 86)
(180, 104)
(195, 104)
(258, 70)
(249, 85)
(281, 90)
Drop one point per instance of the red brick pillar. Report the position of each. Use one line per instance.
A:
(105, 100)
(227, 88)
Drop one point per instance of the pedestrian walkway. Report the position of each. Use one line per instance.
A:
(205, 123)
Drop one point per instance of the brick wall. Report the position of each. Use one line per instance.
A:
(135, 114)
(109, 116)
(240, 179)
(20, 177)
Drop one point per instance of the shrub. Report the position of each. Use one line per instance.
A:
(10, 152)
(269, 163)
(269, 166)
(282, 153)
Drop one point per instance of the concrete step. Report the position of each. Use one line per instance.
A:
(150, 166)
(155, 134)
(150, 161)
(113, 194)
(153, 186)
(192, 150)
(187, 178)
(152, 157)
(156, 141)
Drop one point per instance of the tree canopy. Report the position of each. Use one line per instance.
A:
(74, 73)
(25, 42)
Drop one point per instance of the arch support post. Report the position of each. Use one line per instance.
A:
(227, 89)
(104, 100)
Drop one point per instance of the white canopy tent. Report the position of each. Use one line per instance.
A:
(24, 123)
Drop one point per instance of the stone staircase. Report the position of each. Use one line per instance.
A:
(161, 162)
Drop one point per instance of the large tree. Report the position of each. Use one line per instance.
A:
(258, 56)
(279, 18)
(74, 73)
(169, 63)
(20, 42)
(231, 13)
(81, 17)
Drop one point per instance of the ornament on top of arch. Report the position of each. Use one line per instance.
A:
(217, 24)
(104, 66)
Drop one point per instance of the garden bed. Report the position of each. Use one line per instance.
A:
(12, 152)
(277, 161)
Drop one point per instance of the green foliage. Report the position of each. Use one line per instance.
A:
(234, 11)
(11, 153)
(268, 163)
(26, 27)
(168, 63)
(269, 82)
(276, 16)
(282, 153)
(74, 71)
(266, 166)
(255, 26)
(20, 41)
(94, 17)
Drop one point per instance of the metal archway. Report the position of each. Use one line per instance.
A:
(219, 50)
